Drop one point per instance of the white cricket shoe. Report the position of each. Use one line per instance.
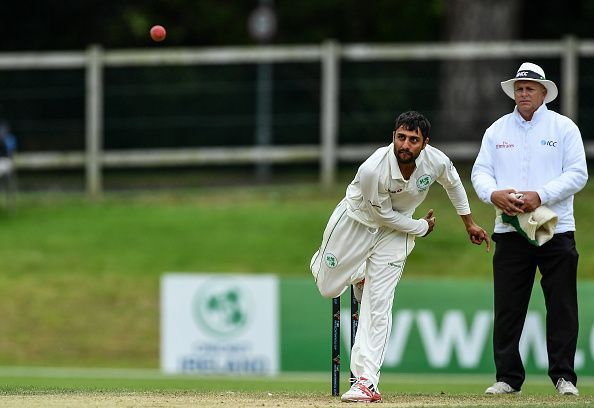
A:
(358, 290)
(566, 388)
(362, 390)
(501, 387)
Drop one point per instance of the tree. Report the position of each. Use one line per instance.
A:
(470, 96)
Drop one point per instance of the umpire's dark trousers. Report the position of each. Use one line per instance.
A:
(514, 268)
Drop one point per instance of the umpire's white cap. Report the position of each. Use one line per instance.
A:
(531, 72)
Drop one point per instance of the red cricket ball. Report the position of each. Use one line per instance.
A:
(158, 33)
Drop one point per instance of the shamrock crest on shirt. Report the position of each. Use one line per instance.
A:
(424, 182)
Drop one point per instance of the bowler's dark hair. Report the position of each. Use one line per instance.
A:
(413, 120)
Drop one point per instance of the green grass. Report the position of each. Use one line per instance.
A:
(96, 387)
(139, 380)
(79, 281)
(245, 230)
(146, 235)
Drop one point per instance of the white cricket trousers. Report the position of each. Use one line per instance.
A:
(351, 251)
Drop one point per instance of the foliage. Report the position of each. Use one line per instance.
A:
(115, 24)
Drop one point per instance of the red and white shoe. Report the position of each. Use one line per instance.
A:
(362, 390)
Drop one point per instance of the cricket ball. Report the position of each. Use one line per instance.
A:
(158, 33)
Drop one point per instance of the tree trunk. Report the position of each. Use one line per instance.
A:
(470, 95)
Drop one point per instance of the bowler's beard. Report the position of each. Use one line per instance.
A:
(406, 158)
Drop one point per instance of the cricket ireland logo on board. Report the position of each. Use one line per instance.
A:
(221, 308)
(331, 260)
(219, 323)
(424, 182)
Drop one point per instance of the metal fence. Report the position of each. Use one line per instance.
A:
(330, 55)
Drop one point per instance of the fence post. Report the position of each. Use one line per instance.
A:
(330, 111)
(569, 72)
(94, 120)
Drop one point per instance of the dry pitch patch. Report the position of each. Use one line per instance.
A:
(283, 400)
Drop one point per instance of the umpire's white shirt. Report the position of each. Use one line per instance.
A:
(545, 154)
(379, 196)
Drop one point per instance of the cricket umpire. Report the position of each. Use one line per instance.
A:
(539, 154)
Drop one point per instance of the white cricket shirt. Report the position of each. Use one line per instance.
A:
(545, 155)
(379, 196)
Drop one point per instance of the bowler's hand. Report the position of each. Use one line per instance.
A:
(478, 235)
(430, 220)
(507, 202)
